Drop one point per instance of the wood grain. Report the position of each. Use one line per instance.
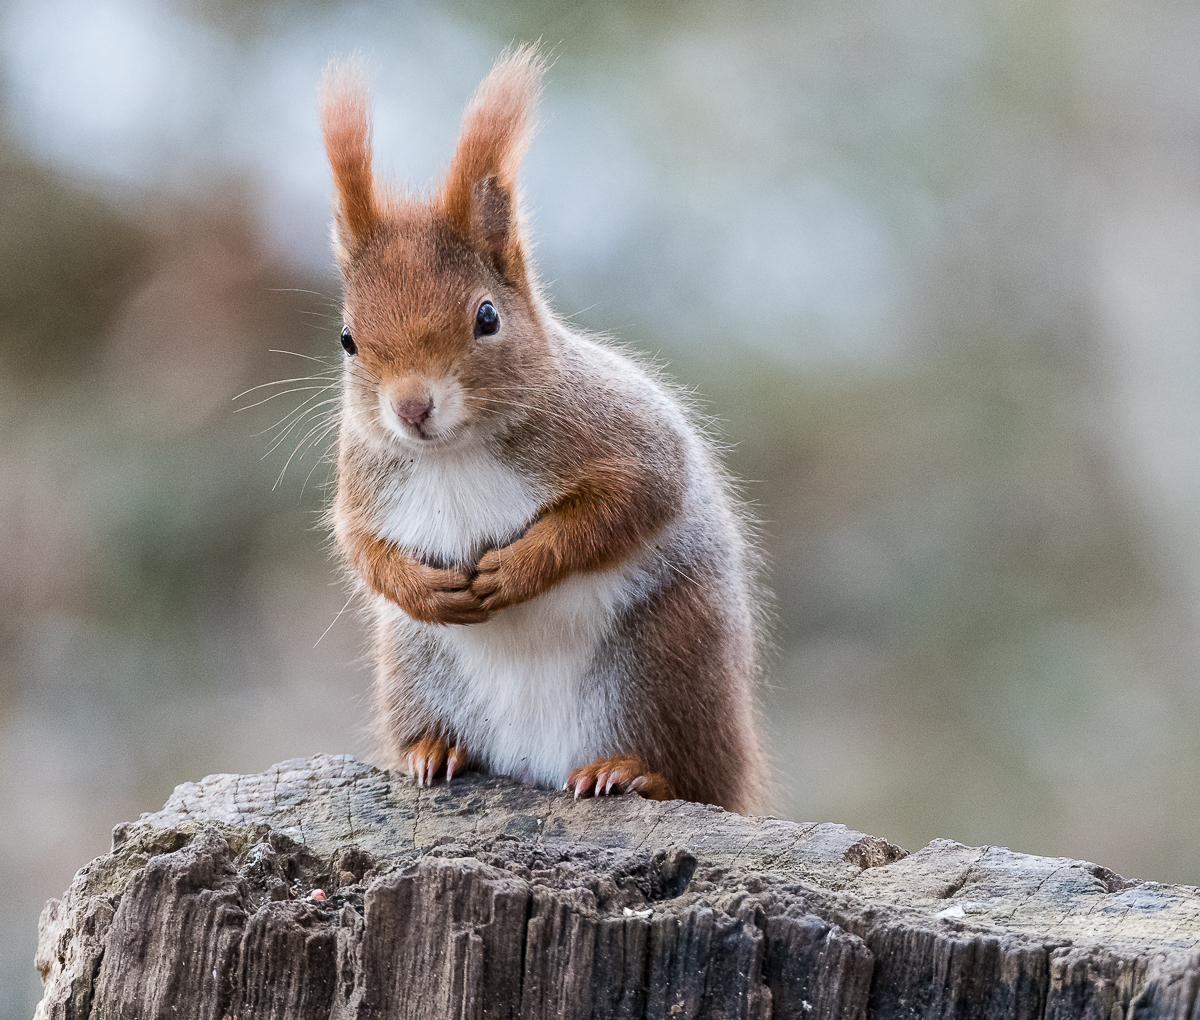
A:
(487, 898)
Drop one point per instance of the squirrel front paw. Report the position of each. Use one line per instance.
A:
(432, 595)
(492, 583)
(622, 773)
(507, 576)
(427, 756)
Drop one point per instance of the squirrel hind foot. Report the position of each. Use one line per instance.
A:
(426, 757)
(622, 773)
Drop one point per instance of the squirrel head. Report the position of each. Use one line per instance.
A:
(444, 332)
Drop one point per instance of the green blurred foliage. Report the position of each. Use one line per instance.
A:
(976, 631)
(69, 263)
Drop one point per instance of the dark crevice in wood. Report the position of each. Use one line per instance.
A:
(521, 903)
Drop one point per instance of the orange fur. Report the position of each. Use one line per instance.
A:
(426, 757)
(426, 593)
(546, 457)
(624, 773)
(478, 198)
(607, 511)
(346, 125)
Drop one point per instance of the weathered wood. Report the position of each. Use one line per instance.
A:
(487, 898)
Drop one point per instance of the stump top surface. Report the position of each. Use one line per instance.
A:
(329, 802)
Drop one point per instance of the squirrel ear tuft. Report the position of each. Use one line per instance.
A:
(478, 199)
(346, 125)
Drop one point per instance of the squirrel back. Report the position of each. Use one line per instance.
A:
(559, 576)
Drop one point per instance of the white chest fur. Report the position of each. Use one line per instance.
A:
(451, 506)
(528, 700)
(523, 693)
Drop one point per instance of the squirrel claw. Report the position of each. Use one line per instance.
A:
(426, 757)
(626, 773)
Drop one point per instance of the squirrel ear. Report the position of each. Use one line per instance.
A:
(478, 199)
(346, 125)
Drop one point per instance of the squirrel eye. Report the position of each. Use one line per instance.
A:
(348, 341)
(487, 319)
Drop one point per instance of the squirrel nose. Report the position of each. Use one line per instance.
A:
(413, 412)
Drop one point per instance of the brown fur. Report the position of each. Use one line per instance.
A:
(478, 199)
(621, 478)
(626, 773)
(427, 756)
(346, 125)
(606, 512)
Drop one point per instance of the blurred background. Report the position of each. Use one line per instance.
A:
(935, 264)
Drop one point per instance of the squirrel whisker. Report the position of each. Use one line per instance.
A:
(282, 393)
(563, 582)
(294, 354)
(302, 411)
(317, 428)
(322, 418)
(282, 382)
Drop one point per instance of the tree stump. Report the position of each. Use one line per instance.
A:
(487, 898)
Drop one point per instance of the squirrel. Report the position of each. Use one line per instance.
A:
(560, 578)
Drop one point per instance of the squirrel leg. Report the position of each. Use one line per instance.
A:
(622, 773)
(607, 514)
(426, 757)
(428, 594)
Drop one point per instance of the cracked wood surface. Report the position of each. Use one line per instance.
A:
(487, 898)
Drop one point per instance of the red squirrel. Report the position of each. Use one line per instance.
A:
(559, 576)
